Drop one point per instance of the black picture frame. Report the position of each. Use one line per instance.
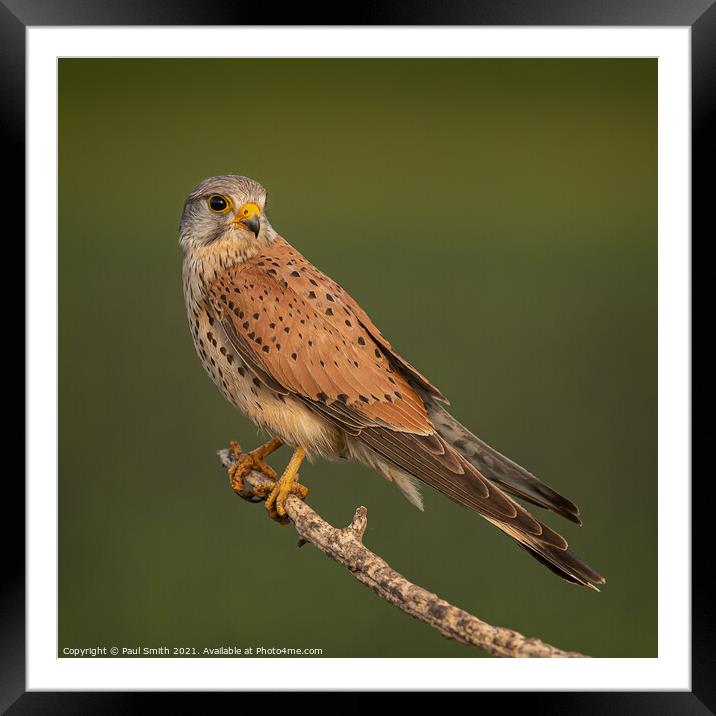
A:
(699, 15)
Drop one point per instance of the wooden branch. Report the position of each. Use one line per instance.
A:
(345, 546)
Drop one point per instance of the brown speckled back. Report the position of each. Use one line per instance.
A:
(304, 331)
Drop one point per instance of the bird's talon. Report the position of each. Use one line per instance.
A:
(275, 492)
(250, 497)
(276, 502)
(235, 449)
(244, 463)
(287, 485)
(261, 491)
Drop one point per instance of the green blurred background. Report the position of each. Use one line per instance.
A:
(521, 193)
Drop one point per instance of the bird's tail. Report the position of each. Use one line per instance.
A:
(432, 460)
(560, 561)
(514, 479)
(497, 468)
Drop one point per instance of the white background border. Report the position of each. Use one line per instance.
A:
(672, 669)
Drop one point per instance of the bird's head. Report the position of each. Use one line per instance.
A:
(225, 210)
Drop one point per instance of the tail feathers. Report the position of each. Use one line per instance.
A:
(432, 460)
(560, 561)
(583, 579)
(497, 468)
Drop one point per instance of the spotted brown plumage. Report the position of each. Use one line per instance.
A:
(309, 340)
(290, 348)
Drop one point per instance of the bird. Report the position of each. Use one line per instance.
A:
(293, 351)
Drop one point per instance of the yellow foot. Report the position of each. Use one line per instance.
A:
(246, 462)
(278, 492)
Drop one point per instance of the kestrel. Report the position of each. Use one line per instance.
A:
(299, 357)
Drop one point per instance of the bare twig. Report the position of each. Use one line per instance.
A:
(346, 547)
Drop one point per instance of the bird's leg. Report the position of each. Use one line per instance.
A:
(246, 462)
(287, 485)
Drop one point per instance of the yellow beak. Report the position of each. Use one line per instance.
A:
(249, 215)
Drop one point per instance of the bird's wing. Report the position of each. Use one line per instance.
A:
(415, 376)
(307, 280)
(324, 356)
(296, 331)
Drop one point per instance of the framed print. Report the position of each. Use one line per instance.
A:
(343, 226)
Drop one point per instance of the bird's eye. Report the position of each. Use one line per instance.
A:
(219, 204)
